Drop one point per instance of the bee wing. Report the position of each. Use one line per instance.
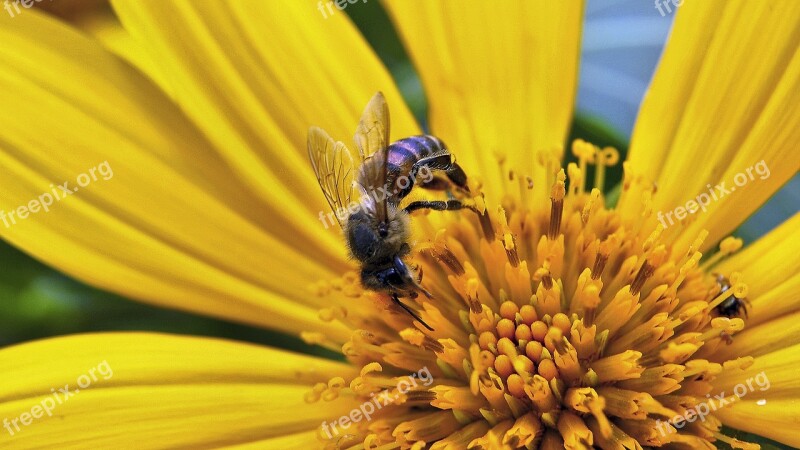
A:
(334, 167)
(372, 140)
(372, 134)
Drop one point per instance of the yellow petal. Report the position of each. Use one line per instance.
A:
(303, 440)
(726, 96)
(769, 403)
(105, 27)
(254, 76)
(166, 391)
(782, 331)
(771, 269)
(163, 217)
(500, 79)
(778, 419)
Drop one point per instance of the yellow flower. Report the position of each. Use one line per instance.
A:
(559, 321)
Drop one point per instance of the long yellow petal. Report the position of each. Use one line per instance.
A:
(500, 80)
(162, 214)
(726, 96)
(302, 440)
(167, 391)
(782, 331)
(769, 403)
(777, 419)
(771, 269)
(105, 27)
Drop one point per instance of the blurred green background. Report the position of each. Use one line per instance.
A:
(621, 45)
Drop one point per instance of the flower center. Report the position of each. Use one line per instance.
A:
(557, 324)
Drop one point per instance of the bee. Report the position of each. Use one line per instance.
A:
(376, 229)
(733, 305)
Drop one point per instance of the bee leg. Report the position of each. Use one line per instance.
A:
(439, 205)
(402, 270)
(445, 162)
(435, 184)
(457, 175)
(409, 311)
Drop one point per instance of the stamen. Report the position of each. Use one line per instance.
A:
(722, 326)
(538, 390)
(446, 257)
(557, 206)
(728, 246)
(547, 280)
(475, 306)
(587, 208)
(574, 431)
(739, 291)
(618, 367)
(695, 246)
(608, 156)
(599, 265)
(317, 338)
(644, 273)
(509, 240)
(485, 220)
(416, 337)
(735, 443)
(585, 153)
(575, 179)
(525, 432)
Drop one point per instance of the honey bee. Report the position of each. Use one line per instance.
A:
(733, 305)
(376, 229)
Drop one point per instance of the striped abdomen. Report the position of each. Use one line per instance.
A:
(403, 154)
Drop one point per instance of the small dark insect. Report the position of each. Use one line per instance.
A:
(733, 305)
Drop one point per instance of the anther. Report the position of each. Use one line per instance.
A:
(599, 265)
(485, 220)
(447, 258)
(557, 206)
(645, 272)
(728, 246)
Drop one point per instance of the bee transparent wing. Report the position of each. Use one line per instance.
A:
(372, 134)
(335, 169)
(372, 140)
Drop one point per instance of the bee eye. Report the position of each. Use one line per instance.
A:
(383, 230)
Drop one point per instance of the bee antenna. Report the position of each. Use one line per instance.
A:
(412, 313)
